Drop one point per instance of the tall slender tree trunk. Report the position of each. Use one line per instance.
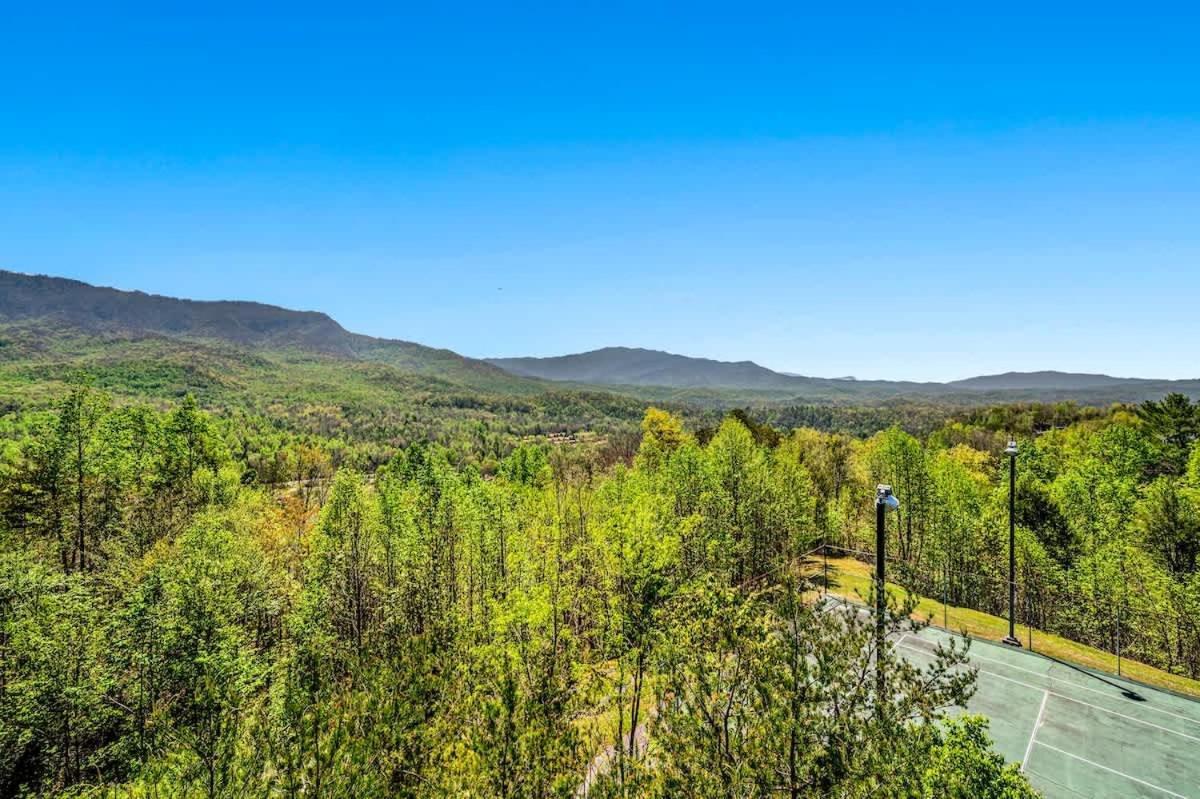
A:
(80, 536)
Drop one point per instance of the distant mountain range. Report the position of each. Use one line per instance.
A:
(624, 366)
(58, 304)
(1015, 381)
(641, 367)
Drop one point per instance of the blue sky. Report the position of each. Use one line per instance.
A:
(884, 192)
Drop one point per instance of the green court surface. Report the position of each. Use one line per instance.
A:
(1076, 732)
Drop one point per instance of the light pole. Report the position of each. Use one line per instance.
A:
(884, 501)
(1011, 451)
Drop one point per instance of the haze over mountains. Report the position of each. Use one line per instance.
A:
(59, 303)
(641, 367)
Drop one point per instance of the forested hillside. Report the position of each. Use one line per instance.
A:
(51, 305)
(234, 568)
(38, 313)
(174, 624)
(182, 616)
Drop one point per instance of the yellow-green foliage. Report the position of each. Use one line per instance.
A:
(198, 605)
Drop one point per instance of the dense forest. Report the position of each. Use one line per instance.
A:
(193, 605)
(185, 611)
(1107, 519)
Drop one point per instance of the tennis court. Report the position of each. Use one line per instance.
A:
(1079, 733)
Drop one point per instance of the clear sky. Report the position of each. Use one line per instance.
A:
(903, 190)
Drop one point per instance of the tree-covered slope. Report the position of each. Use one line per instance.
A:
(164, 337)
(365, 401)
(61, 304)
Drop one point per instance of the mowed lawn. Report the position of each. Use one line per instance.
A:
(850, 579)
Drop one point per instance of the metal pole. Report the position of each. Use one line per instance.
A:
(1012, 640)
(1120, 605)
(1028, 615)
(883, 500)
(825, 577)
(880, 557)
(1118, 639)
(946, 596)
(880, 595)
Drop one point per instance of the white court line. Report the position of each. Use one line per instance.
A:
(972, 655)
(1008, 665)
(1043, 675)
(1079, 701)
(1036, 724)
(1113, 770)
(1046, 693)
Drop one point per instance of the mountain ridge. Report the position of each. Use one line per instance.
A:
(1046, 378)
(99, 309)
(641, 366)
(647, 373)
(638, 366)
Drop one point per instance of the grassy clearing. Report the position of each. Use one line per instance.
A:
(851, 579)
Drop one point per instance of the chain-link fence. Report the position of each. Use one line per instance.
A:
(1064, 616)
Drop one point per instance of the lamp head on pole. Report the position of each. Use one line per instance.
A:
(884, 496)
(1011, 449)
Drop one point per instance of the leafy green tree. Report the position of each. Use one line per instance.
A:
(1174, 422)
(963, 765)
(750, 680)
(190, 443)
(640, 553)
(1169, 518)
(828, 458)
(343, 567)
(516, 714)
(56, 724)
(1193, 469)
(960, 538)
(898, 459)
(662, 434)
(73, 474)
(527, 465)
(735, 506)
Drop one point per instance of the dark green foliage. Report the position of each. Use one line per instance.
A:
(1174, 422)
(769, 696)
(1169, 517)
(963, 766)
(364, 408)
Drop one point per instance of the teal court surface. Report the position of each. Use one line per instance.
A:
(1076, 732)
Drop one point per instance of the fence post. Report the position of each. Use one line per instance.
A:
(1118, 639)
(1028, 616)
(945, 595)
(1120, 605)
(825, 578)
